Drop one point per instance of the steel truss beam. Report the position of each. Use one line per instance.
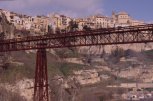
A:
(125, 35)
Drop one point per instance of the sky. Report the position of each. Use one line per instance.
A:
(138, 9)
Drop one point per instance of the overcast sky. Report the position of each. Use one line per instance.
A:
(139, 9)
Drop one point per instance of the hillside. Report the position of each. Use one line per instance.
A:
(74, 71)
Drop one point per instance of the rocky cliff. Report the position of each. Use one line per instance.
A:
(6, 28)
(6, 32)
(99, 49)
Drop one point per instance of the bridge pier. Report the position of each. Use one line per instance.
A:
(41, 77)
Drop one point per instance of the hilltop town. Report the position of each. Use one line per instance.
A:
(54, 21)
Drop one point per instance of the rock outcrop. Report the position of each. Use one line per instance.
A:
(6, 32)
(6, 29)
(107, 49)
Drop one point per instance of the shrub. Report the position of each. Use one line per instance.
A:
(116, 54)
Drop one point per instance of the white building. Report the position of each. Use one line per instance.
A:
(137, 22)
(121, 19)
(101, 21)
(81, 23)
(124, 19)
(59, 21)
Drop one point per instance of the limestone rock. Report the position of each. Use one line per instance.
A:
(6, 28)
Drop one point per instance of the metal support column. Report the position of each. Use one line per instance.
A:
(41, 77)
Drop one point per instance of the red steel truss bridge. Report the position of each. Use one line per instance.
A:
(104, 36)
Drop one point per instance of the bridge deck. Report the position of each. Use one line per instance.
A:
(104, 36)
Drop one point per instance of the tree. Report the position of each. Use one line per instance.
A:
(57, 30)
(116, 54)
(2, 36)
(72, 25)
(86, 28)
(50, 29)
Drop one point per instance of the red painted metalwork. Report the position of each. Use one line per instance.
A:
(105, 36)
(41, 77)
(121, 35)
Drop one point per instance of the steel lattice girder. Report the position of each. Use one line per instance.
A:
(41, 77)
(125, 35)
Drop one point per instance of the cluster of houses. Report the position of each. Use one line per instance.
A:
(138, 95)
(58, 21)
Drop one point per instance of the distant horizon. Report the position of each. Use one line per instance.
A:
(139, 10)
(70, 16)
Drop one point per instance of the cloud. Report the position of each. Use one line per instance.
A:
(69, 7)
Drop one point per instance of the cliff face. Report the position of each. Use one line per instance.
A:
(6, 29)
(6, 32)
(108, 48)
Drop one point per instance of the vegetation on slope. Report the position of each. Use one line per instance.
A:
(9, 96)
(23, 65)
